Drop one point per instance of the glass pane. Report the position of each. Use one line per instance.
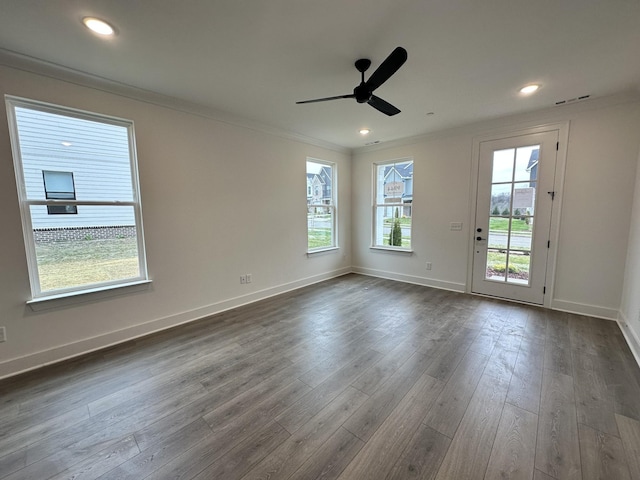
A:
(393, 226)
(320, 227)
(520, 240)
(524, 198)
(519, 263)
(500, 200)
(498, 232)
(58, 182)
(527, 163)
(319, 183)
(97, 245)
(394, 182)
(96, 153)
(496, 265)
(502, 166)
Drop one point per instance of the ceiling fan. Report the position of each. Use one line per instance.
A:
(363, 93)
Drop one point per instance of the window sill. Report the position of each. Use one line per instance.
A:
(403, 251)
(85, 296)
(321, 251)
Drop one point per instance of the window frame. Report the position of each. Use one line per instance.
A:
(333, 206)
(401, 205)
(37, 295)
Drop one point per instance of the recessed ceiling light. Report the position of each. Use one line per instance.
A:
(529, 89)
(98, 26)
(365, 131)
(66, 144)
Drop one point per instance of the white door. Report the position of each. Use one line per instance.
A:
(513, 216)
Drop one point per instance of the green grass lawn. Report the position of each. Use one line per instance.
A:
(319, 237)
(84, 262)
(517, 225)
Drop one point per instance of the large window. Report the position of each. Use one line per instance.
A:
(78, 190)
(393, 197)
(321, 205)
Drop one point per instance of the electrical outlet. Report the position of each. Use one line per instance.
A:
(428, 266)
(243, 279)
(249, 278)
(3, 334)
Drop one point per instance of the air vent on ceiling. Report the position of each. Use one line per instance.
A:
(373, 143)
(572, 100)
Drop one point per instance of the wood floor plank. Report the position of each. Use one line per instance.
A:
(248, 453)
(602, 455)
(557, 356)
(449, 408)
(422, 456)
(630, 436)
(314, 401)
(381, 452)
(328, 462)
(470, 449)
(237, 428)
(59, 452)
(379, 373)
(366, 420)
(354, 378)
(94, 466)
(526, 381)
(557, 446)
(204, 460)
(513, 453)
(23, 432)
(538, 475)
(164, 426)
(150, 460)
(290, 455)
(595, 405)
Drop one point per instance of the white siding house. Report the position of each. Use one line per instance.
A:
(80, 160)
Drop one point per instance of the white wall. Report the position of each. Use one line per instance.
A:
(630, 308)
(218, 201)
(596, 204)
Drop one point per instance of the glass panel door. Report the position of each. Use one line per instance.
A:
(513, 218)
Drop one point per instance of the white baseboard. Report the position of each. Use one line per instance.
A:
(631, 336)
(427, 282)
(584, 309)
(40, 359)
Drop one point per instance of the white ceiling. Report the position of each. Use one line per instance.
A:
(254, 59)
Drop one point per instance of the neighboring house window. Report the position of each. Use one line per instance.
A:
(321, 205)
(73, 162)
(59, 186)
(393, 198)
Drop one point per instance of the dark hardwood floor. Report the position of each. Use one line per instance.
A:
(353, 378)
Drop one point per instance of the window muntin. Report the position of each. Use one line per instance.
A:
(321, 205)
(392, 208)
(68, 161)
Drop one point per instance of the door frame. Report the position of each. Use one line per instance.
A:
(554, 232)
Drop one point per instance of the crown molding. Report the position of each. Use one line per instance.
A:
(55, 71)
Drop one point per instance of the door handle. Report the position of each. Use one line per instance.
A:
(479, 239)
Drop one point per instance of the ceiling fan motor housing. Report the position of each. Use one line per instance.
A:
(362, 93)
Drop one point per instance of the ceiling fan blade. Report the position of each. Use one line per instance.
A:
(326, 99)
(383, 106)
(387, 68)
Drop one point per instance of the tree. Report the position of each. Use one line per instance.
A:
(505, 211)
(495, 211)
(395, 237)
